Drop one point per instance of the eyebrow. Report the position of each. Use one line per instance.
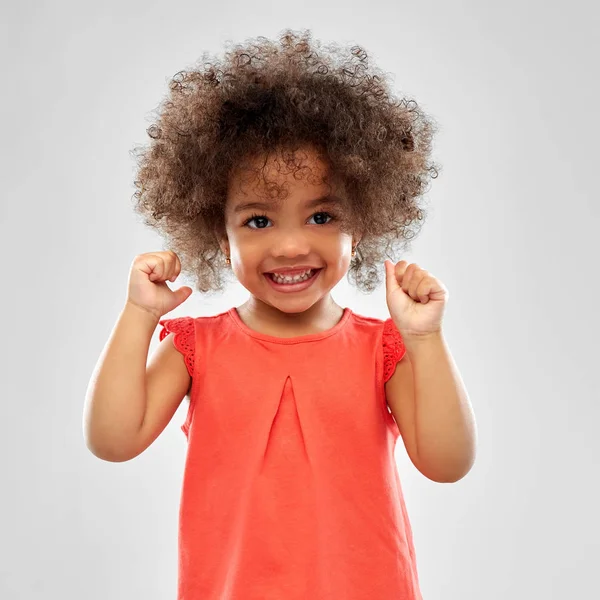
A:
(270, 205)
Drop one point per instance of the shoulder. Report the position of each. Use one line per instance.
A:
(370, 324)
(384, 326)
(365, 321)
(387, 337)
(176, 325)
(197, 321)
(188, 331)
(196, 328)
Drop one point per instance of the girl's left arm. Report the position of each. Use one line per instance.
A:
(431, 407)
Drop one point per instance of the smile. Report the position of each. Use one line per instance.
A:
(297, 283)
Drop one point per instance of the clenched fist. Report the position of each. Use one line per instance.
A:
(147, 287)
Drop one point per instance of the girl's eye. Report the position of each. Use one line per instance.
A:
(258, 219)
(322, 218)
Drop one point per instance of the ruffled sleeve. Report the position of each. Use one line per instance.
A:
(184, 339)
(393, 348)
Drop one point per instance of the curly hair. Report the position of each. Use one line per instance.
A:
(263, 97)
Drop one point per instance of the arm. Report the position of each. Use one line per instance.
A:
(430, 405)
(128, 403)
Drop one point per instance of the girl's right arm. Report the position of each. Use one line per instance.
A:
(129, 402)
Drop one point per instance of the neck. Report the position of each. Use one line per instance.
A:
(260, 316)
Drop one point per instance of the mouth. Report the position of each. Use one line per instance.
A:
(299, 282)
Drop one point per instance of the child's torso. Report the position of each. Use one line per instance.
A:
(290, 480)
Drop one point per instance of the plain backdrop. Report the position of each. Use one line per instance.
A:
(512, 232)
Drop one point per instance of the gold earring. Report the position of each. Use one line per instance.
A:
(353, 251)
(228, 260)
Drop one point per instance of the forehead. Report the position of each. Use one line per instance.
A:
(241, 206)
(302, 177)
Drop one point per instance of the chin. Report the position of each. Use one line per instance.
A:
(289, 303)
(293, 307)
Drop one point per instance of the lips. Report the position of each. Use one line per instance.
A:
(296, 277)
(293, 286)
(291, 271)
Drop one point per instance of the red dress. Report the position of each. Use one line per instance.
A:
(290, 489)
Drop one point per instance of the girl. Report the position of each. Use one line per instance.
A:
(289, 169)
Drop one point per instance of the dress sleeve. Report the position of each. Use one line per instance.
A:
(393, 348)
(184, 339)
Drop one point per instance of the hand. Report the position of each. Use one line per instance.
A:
(147, 283)
(416, 300)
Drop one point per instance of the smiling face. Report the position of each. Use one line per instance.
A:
(299, 237)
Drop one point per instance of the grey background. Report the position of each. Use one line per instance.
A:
(512, 232)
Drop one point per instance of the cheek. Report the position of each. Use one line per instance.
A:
(338, 261)
(246, 257)
(344, 262)
(343, 251)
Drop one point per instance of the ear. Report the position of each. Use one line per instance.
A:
(223, 241)
(224, 245)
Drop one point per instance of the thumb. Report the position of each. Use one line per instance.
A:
(182, 294)
(391, 283)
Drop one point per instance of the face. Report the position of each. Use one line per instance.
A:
(298, 237)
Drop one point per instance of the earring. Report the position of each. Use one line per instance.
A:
(353, 251)
(228, 260)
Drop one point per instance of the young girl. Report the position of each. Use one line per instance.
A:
(289, 169)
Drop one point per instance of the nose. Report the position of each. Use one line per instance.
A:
(290, 244)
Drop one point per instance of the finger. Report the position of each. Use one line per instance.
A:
(177, 266)
(157, 267)
(414, 285)
(170, 262)
(183, 293)
(391, 282)
(170, 265)
(414, 278)
(424, 290)
(164, 269)
(403, 274)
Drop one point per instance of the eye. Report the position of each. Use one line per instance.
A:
(259, 219)
(322, 215)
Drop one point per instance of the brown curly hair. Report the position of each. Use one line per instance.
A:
(263, 97)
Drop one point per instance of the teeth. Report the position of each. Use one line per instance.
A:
(295, 279)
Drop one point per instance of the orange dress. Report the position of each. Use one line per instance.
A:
(290, 489)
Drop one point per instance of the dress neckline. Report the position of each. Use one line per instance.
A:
(311, 337)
